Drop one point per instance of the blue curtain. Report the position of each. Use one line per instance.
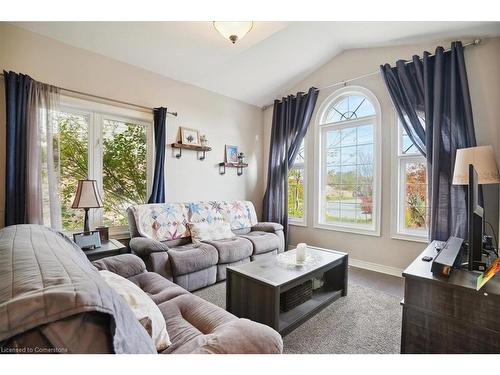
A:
(158, 190)
(17, 91)
(437, 86)
(291, 118)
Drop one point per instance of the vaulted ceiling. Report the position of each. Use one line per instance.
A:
(269, 60)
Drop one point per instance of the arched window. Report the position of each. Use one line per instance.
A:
(348, 146)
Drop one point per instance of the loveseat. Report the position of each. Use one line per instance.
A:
(53, 300)
(160, 235)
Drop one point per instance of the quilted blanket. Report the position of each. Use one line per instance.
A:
(45, 279)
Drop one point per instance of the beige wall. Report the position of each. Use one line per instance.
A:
(223, 120)
(484, 80)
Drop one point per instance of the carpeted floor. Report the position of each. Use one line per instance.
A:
(365, 321)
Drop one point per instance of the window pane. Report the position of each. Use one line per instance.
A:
(348, 155)
(73, 147)
(348, 137)
(365, 134)
(415, 207)
(333, 156)
(296, 185)
(406, 144)
(124, 169)
(349, 107)
(365, 154)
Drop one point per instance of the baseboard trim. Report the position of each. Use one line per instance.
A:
(393, 271)
(388, 270)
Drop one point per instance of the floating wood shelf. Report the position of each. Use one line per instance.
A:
(196, 148)
(239, 167)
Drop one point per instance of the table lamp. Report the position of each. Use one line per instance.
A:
(87, 196)
(484, 162)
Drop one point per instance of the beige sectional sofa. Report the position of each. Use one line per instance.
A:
(53, 300)
(161, 237)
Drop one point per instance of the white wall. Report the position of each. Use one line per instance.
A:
(484, 81)
(223, 120)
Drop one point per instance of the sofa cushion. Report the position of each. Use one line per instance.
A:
(162, 221)
(157, 287)
(232, 249)
(263, 242)
(192, 257)
(240, 214)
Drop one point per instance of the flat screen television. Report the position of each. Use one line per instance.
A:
(475, 223)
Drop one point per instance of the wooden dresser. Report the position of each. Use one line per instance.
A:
(448, 315)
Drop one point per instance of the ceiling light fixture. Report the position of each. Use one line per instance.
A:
(233, 30)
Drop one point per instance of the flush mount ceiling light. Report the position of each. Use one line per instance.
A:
(233, 30)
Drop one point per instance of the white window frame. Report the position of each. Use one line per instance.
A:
(398, 162)
(302, 222)
(97, 113)
(319, 161)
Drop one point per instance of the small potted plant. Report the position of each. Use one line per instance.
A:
(241, 158)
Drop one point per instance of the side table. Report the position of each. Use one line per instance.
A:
(107, 249)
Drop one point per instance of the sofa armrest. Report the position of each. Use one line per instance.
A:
(242, 336)
(276, 228)
(145, 246)
(267, 227)
(125, 265)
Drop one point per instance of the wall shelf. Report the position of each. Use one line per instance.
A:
(239, 167)
(198, 149)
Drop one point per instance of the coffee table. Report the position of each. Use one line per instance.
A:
(253, 290)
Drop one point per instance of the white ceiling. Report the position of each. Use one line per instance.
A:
(268, 61)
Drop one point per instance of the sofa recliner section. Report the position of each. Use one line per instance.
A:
(194, 325)
(160, 236)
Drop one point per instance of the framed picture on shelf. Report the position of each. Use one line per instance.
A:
(190, 136)
(231, 154)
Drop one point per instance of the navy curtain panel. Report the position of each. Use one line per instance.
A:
(436, 87)
(17, 91)
(158, 189)
(291, 118)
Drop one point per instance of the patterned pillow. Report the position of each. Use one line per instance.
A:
(161, 221)
(210, 232)
(240, 214)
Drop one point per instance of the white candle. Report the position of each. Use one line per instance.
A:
(301, 252)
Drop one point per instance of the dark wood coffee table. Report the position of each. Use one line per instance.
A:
(253, 289)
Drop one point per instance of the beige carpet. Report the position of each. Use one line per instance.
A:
(365, 321)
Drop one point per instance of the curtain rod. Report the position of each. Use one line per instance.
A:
(475, 42)
(109, 99)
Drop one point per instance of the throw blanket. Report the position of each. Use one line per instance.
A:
(44, 277)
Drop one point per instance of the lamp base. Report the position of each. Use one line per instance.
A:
(86, 228)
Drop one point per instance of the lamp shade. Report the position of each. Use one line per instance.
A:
(484, 162)
(233, 30)
(87, 195)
